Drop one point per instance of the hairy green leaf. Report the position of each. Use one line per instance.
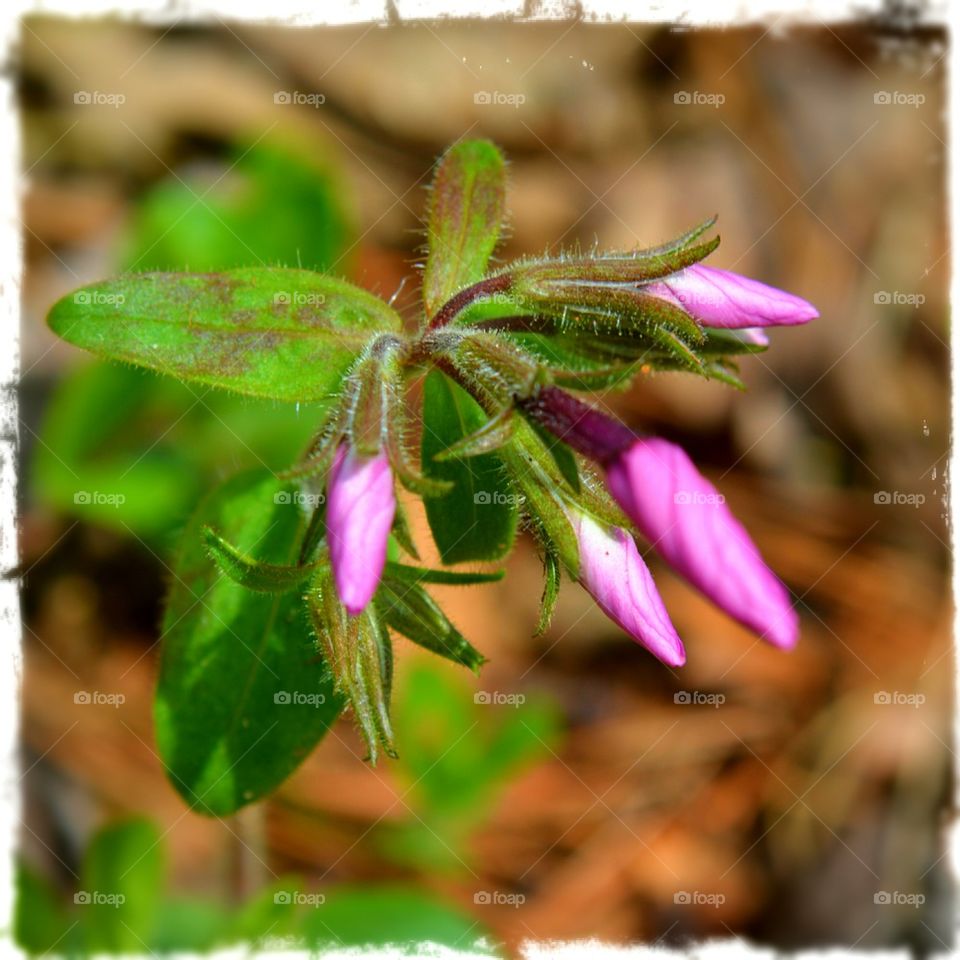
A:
(276, 333)
(464, 219)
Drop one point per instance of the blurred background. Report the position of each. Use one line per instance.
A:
(578, 788)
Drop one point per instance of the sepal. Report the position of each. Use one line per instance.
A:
(253, 574)
(535, 473)
(551, 591)
(411, 611)
(495, 433)
(642, 266)
(361, 668)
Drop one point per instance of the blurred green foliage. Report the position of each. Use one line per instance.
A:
(134, 450)
(458, 753)
(122, 907)
(272, 205)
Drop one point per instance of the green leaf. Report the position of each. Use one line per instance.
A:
(121, 886)
(253, 574)
(464, 218)
(118, 431)
(372, 916)
(477, 520)
(410, 610)
(243, 695)
(277, 333)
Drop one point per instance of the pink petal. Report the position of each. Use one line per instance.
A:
(754, 335)
(614, 574)
(360, 509)
(691, 527)
(719, 298)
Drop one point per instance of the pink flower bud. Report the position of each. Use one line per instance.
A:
(719, 298)
(360, 509)
(690, 526)
(614, 574)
